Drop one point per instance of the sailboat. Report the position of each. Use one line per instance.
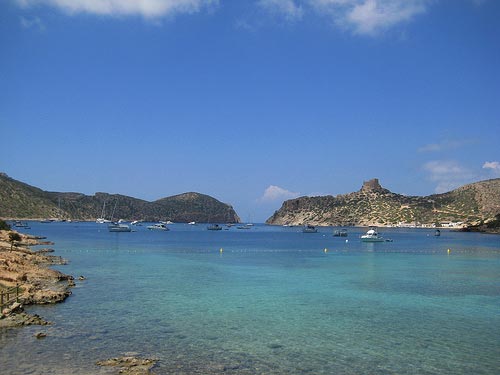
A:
(119, 226)
(102, 220)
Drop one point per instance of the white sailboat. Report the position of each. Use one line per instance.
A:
(102, 220)
(118, 226)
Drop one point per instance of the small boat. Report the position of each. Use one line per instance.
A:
(158, 226)
(437, 233)
(117, 227)
(214, 227)
(136, 223)
(192, 223)
(309, 229)
(372, 236)
(46, 221)
(340, 233)
(20, 224)
(246, 226)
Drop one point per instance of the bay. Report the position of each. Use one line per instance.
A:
(273, 301)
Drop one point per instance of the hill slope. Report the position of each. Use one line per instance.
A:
(22, 201)
(374, 205)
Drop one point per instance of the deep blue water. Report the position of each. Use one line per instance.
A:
(273, 302)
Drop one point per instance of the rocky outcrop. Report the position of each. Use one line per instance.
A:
(375, 205)
(30, 272)
(15, 316)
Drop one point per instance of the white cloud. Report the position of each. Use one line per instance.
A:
(369, 17)
(373, 15)
(494, 166)
(275, 193)
(288, 8)
(448, 174)
(34, 22)
(145, 8)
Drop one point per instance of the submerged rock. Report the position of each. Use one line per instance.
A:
(19, 318)
(130, 365)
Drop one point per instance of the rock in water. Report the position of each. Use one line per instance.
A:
(130, 365)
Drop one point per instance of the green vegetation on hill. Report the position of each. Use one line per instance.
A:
(374, 205)
(21, 201)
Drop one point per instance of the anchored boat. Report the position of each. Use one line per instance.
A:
(372, 236)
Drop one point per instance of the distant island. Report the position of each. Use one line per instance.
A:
(22, 201)
(471, 206)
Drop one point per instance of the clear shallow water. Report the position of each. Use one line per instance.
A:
(272, 303)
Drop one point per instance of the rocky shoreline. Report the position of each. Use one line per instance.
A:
(29, 271)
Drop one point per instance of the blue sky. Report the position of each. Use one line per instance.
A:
(253, 102)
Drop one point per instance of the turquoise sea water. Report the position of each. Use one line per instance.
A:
(274, 302)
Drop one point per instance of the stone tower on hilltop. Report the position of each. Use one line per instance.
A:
(371, 186)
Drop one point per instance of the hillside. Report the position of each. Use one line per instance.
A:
(374, 205)
(22, 201)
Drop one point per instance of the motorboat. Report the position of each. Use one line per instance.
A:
(192, 223)
(214, 227)
(309, 229)
(102, 221)
(340, 233)
(158, 226)
(20, 224)
(118, 227)
(372, 236)
(136, 223)
(437, 233)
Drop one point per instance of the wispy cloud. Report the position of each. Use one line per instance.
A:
(445, 145)
(448, 174)
(369, 17)
(493, 166)
(286, 8)
(144, 8)
(275, 193)
(34, 22)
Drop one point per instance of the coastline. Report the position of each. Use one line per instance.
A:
(30, 272)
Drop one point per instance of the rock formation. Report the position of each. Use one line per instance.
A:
(29, 270)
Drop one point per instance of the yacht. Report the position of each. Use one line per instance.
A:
(158, 226)
(372, 236)
(118, 227)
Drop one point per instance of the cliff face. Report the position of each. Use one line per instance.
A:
(374, 205)
(21, 201)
